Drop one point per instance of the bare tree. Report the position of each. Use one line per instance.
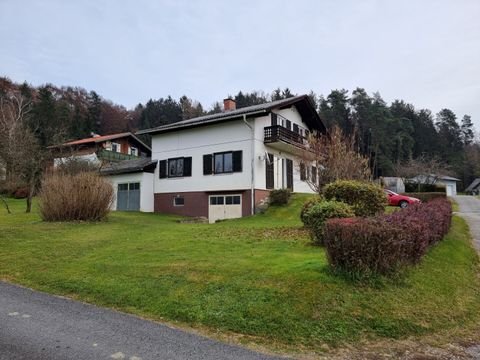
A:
(423, 170)
(331, 157)
(19, 149)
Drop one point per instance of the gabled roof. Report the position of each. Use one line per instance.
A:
(475, 183)
(129, 166)
(423, 177)
(103, 138)
(303, 103)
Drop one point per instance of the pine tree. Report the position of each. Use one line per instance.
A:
(467, 129)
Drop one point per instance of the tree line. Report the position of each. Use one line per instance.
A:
(388, 134)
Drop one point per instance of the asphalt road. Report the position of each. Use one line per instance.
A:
(470, 211)
(37, 326)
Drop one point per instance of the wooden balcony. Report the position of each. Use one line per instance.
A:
(283, 139)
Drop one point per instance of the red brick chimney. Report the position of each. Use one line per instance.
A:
(229, 104)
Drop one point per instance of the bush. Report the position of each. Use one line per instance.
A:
(315, 217)
(85, 196)
(384, 244)
(366, 199)
(307, 205)
(427, 196)
(279, 197)
(414, 187)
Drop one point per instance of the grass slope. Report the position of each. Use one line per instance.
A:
(255, 276)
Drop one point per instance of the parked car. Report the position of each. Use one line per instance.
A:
(403, 201)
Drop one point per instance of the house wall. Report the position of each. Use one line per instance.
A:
(230, 136)
(227, 136)
(260, 149)
(451, 183)
(146, 188)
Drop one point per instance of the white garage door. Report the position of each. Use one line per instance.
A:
(449, 190)
(224, 207)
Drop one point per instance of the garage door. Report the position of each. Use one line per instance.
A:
(449, 190)
(224, 207)
(128, 197)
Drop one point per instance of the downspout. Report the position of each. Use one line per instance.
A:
(252, 164)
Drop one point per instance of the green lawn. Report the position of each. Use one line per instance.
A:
(255, 276)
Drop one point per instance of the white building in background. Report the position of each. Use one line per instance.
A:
(224, 165)
(447, 182)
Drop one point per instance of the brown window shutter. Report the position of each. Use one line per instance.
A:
(207, 164)
(162, 169)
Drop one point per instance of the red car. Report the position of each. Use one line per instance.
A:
(403, 201)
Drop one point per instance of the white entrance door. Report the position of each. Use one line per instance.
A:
(224, 207)
(449, 190)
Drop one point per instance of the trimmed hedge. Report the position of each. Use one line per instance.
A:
(279, 197)
(366, 199)
(315, 217)
(427, 196)
(384, 244)
(414, 187)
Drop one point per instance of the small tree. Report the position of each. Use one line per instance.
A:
(334, 156)
(424, 170)
(20, 149)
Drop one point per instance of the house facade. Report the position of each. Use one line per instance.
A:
(224, 165)
(101, 149)
(443, 181)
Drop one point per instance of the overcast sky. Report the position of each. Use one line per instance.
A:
(425, 52)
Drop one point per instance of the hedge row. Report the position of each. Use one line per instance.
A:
(427, 196)
(383, 244)
(365, 198)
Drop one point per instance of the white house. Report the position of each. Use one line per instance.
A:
(450, 183)
(224, 165)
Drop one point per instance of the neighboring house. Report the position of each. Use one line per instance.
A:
(224, 165)
(132, 182)
(394, 184)
(474, 187)
(100, 149)
(450, 183)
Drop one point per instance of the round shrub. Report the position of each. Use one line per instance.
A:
(84, 196)
(307, 205)
(316, 216)
(279, 196)
(366, 199)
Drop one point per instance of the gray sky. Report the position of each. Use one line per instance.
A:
(425, 52)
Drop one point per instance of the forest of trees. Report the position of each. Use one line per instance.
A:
(389, 134)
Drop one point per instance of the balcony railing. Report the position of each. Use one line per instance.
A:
(108, 155)
(278, 133)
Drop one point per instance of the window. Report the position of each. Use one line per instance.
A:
(178, 201)
(289, 173)
(216, 200)
(314, 174)
(134, 186)
(134, 151)
(233, 200)
(175, 167)
(303, 172)
(225, 200)
(116, 147)
(296, 129)
(221, 163)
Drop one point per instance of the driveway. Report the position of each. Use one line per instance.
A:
(36, 326)
(470, 211)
